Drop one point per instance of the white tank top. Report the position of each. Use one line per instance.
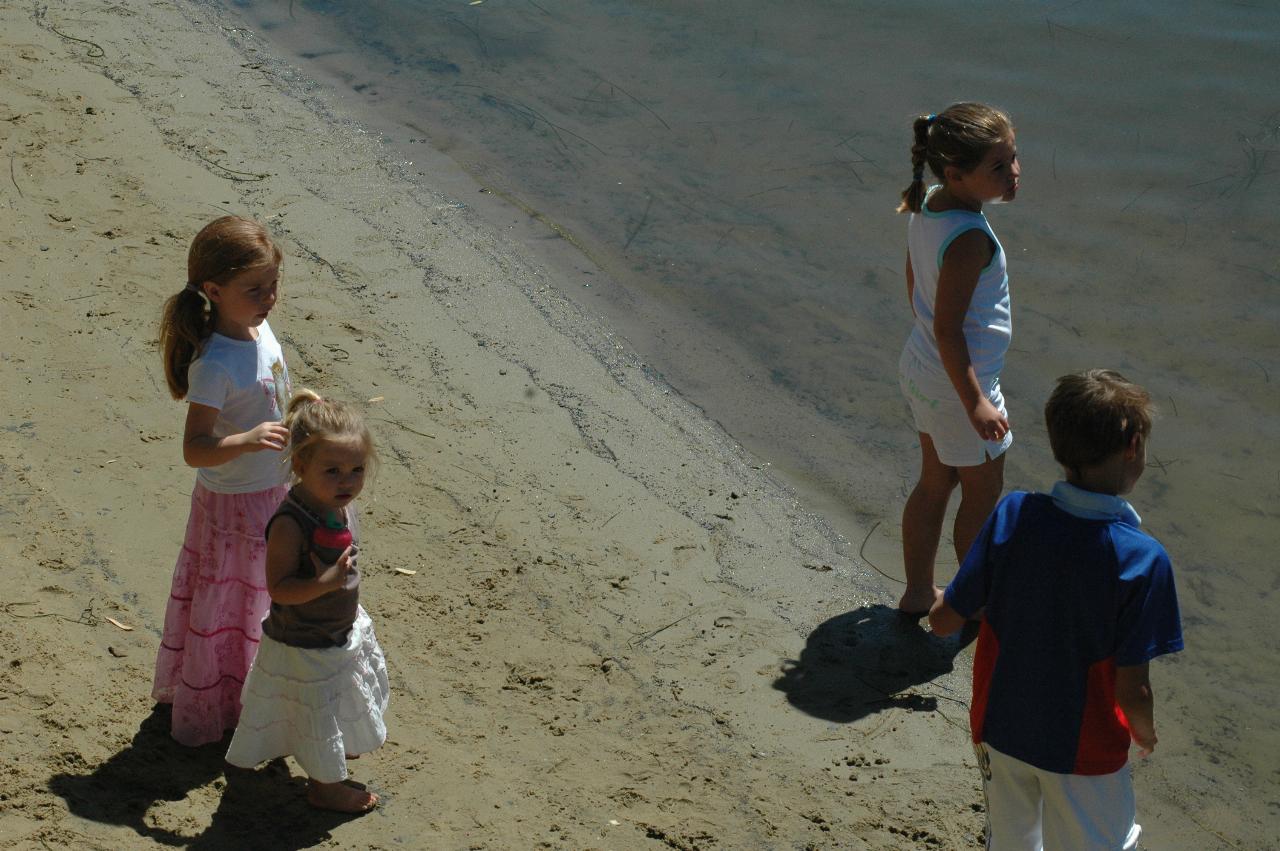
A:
(988, 325)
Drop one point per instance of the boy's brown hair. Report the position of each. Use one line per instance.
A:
(1094, 414)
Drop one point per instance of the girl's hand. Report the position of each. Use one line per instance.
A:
(270, 435)
(334, 576)
(987, 421)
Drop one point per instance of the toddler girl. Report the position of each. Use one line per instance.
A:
(220, 355)
(318, 687)
(950, 367)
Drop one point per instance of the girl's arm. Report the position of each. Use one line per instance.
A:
(962, 264)
(285, 547)
(911, 286)
(201, 449)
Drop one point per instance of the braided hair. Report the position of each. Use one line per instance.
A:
(959, 136)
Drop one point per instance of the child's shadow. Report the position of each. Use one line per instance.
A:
(257, 809)
(865, 661)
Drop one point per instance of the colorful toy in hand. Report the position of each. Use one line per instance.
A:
(330, 540)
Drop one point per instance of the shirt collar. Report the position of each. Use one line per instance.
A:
(1092, 505)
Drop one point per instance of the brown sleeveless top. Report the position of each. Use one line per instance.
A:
(326, 620)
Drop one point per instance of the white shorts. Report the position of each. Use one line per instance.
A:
(939, 414)
(1029, 809)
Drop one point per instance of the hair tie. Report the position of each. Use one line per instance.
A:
(933, 116)
(193, 287)
(917, 175)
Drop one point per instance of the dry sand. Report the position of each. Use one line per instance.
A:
(621, 633)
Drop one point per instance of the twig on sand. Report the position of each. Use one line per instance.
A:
(92, 45)
(475, 31)
(1266, 376)
(88, 617)
(14, 178)
(1208, 829)
(644, 218)
(643, 637)
(862, 554)
(529, 114)
(232, 174)
(403, 426)
(1135, 198)
(637, 102)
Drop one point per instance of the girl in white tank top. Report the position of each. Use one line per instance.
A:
(958, 290)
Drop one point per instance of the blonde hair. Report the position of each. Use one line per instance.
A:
(1094, 414)
(959, 136)
(312, 420)
(222, 249)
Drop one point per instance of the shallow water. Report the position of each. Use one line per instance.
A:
(718, 180)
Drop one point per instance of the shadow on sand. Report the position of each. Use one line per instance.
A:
(869, 660)
(257, 809)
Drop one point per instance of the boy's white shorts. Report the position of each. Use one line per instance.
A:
(938, 413)
(1029, 809)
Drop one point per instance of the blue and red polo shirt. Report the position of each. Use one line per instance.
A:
(1072, 589)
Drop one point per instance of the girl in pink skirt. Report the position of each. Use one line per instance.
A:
(220, 355)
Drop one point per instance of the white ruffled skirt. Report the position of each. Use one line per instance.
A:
(318, 705)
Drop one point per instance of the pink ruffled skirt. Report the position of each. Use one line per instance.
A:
(213, 621)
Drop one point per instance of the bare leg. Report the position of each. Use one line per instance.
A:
(980, 489)
(340, 797)
(922, 527)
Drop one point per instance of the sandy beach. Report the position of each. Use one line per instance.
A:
(571, 667)
(607, 625)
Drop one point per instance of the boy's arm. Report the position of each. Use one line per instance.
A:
(1134, 696)
(943, 619)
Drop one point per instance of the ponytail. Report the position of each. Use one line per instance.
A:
(185, 324)
(223, 249)
(913, 195)
(959, 136)
(312, 419)
(301, 399)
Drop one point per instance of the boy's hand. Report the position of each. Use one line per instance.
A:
(1146, 743)
(987, 421)
(271, 435)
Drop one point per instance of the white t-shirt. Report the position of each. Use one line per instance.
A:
(247, 381)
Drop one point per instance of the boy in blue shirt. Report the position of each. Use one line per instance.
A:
(1076, 600)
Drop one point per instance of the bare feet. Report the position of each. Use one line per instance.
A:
(916, 602)
(340, 797)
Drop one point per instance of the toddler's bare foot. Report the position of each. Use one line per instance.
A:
(916, 602)
(340, 798)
